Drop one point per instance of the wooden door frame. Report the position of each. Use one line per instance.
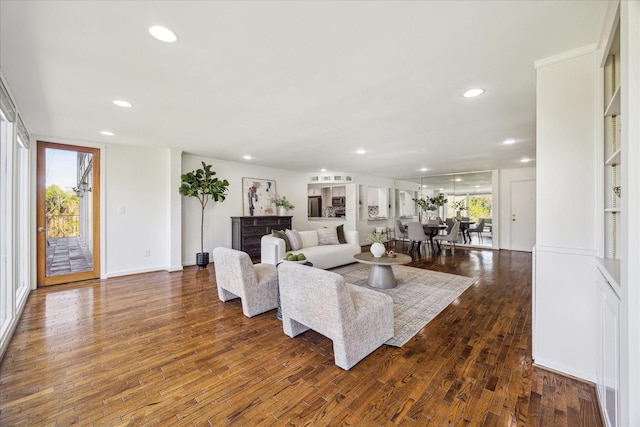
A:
(41, 250)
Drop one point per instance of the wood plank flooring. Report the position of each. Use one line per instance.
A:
(161, 349)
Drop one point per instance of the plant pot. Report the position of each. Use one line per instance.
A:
(377, 249)
(202, 259)
(282, 211)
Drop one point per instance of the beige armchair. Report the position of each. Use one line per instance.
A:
(237, 277)
(356, 319)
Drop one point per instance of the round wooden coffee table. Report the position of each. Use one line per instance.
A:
(381, 274)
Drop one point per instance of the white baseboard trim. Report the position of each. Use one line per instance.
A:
(134, 271)
(175, 268)
(566, 370)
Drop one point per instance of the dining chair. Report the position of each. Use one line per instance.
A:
(449, 222)
(416, 235)
(479, 228)
(451, 237)
(391, 235)
(400, 233)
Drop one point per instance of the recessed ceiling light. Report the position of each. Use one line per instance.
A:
(472, 93)
(106, 133)
(424, 186)
(121, 103)
(458, 179)
(163, 34)
(526, 160)
(323, 170)
(361, 151)
(509, 141)
(477, 186)
(247, 157)
(423, 169)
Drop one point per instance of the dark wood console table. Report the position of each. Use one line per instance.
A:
(246, 231)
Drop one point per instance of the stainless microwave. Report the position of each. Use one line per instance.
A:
(337, 201)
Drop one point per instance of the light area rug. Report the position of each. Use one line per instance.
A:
(417, 299)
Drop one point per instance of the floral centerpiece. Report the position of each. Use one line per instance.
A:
(458, 207)
(431, 204)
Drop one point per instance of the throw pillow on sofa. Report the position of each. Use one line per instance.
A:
(294, 239)
(282, 235)
(340, 232)
(327, 236)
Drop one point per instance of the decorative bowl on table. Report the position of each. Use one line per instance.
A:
(296, 260)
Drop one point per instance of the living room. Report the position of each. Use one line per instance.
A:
(140, 195)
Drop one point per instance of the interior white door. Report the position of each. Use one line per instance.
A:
(523, 215)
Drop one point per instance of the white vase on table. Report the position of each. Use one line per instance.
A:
(377, 249)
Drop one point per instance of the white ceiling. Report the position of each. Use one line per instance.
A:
(297, 85)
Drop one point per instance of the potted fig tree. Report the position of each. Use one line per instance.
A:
(202, 184)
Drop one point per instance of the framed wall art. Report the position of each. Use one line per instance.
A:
(257, 196)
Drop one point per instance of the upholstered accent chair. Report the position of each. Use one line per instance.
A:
(356, 319)
(237, 277)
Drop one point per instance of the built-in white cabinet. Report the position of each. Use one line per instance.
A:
(372, 199)
(339, 191)
(609, 367)
(315, 191)
(608, 267)
(612, 147)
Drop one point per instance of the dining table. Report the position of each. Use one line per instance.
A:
(433, 230)
(464, 229)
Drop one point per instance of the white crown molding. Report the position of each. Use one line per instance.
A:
(561, 57)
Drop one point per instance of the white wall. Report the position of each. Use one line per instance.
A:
(565, 320)
(134, 178)
(136, 214)
(217, 226)
(506, 177)
(140, 180)
(291, 184)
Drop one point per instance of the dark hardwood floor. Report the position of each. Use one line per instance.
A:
(160, 349)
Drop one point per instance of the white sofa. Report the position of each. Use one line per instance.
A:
(356, 319)
(321, 256)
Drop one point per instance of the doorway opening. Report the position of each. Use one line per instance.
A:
(68, 197)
